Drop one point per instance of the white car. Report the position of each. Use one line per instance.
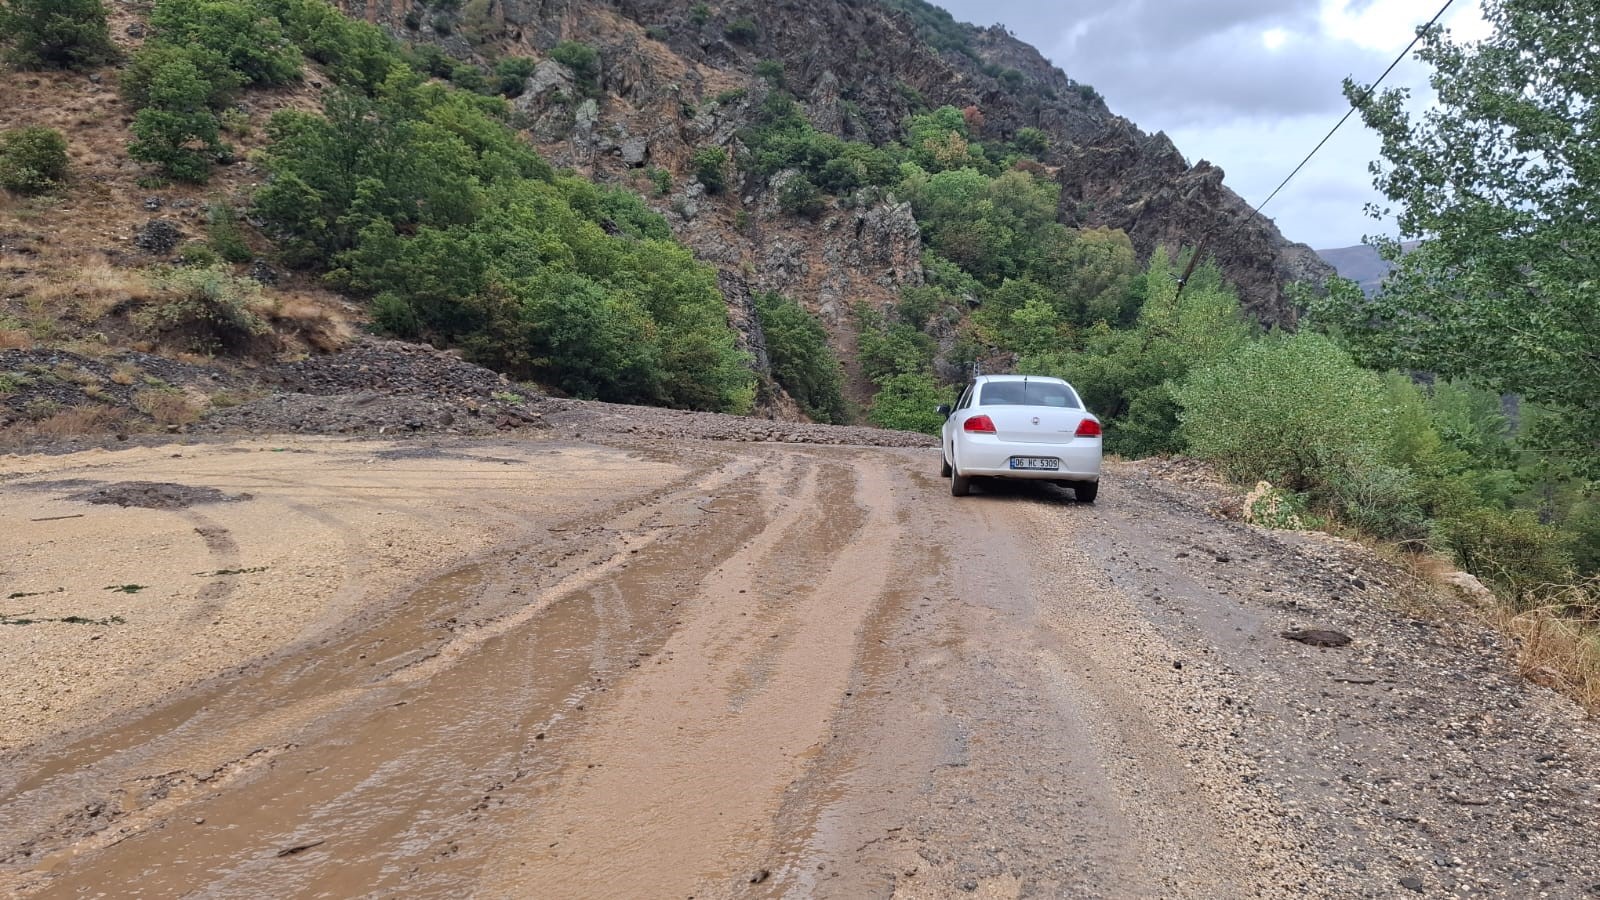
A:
(1021, 426)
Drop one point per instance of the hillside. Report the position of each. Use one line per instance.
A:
(652, 89)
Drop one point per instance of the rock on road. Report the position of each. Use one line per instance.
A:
(629, 666)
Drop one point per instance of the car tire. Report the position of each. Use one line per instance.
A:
(960, 485)
(1085, 491)
(944, 465)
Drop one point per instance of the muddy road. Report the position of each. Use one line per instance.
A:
(629, 667)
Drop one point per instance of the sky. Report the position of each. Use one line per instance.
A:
(1250, 85)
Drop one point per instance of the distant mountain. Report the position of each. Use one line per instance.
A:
(1362, 264)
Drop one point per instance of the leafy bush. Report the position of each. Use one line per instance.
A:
(177, 130)
(206, 309)
(55, 34)
(1510, 549)
(908, 402)
(582, 59)
(800, 197)
(511, 75)
(699, 14)
(468, 77)
(742, 30)
(888, 348)
(222, 229)
(33, 160)
(770, 70)
(248, 38)
(1032, 142)
(711, 168)
(802, 361)
(1294, 411)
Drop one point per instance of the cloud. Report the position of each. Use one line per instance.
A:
(1251, 85)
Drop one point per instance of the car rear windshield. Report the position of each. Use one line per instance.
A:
(1027, 393)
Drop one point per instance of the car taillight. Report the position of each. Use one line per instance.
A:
(1088, 428)
(979, 425)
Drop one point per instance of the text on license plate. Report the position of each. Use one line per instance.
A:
(1035, 462)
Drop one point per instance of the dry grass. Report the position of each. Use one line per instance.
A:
(315, 322)
(15, 339)
(167, 407)
(1556, 628)
(1558, 650)
(91, 420)
(89, 290)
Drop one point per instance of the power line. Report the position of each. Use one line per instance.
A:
(1367, 95)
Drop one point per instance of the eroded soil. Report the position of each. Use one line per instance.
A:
(629, 664)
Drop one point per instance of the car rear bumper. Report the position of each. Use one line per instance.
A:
(1079, 460)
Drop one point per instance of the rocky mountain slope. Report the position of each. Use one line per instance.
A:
(674, 77)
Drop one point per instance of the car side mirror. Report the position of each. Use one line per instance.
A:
(943, 409)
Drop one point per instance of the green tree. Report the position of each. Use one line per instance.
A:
(582, 59)
(246, 35)
(802, 362)
(1287, 409)
(178, 130)
(1500, 178)
(59, 34)
(907, 402)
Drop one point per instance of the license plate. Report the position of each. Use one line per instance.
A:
(1035, 462)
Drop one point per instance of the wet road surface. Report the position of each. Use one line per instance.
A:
(787, 672)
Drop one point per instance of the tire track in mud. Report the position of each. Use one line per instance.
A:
(673, 790)
(311, 700)
(1002, 739)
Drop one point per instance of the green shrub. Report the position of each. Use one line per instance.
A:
(908, 402)
(660, 179)
(56, 34)
(468, 77)
(177, 131)
(1510, 549)
(890, 348)
(1377, 498)
(200, 254)
(146, 66)
(33, 160)
(246, 36)
(222, 230)
(206, 309)
(1288, 410)
(699, 14)
(741, 30)
(711, 168)
(802, 361)
(1032, 141)
(731, 96)
(800, 197)
(511, 75)
(771, 70)
(582, 59)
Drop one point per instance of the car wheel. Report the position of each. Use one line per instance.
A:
(960, 485)
(1085, 491)
(944, 465)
